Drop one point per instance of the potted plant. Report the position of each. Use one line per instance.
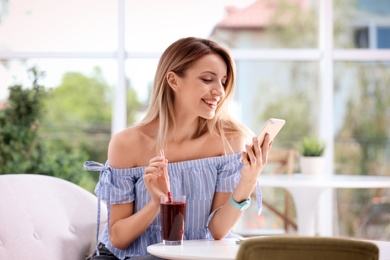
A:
(312, 159)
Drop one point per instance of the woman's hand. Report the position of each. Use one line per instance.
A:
(154, 178)
(255, 157)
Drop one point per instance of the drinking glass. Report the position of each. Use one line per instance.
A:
(173, 214)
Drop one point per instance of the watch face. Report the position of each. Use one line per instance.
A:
(246, 206)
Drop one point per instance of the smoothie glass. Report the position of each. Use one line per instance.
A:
(173, 214)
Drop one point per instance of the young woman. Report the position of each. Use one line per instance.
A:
(212, 159)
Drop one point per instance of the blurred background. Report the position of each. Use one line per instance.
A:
(73, 73)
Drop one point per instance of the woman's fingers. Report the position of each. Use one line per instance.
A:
(154, 177)
(158, 162)
(250, 155)
(156, 166)
(256, 146)
(265, 148)
(153, 170)
(151, 184)
(148, 178)
(156, 159)
(257, 153)
(253, 151)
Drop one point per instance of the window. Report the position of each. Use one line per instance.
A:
(383, 37)
(361, 38)
(372, 37)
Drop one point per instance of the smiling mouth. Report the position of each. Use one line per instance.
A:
(212, 104)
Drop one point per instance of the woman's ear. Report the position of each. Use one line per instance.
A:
(172, 80)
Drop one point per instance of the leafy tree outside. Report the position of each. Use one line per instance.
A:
(54, 131)
(22, 149)
(79, 114)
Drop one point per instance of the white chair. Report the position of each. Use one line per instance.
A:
(44, 217)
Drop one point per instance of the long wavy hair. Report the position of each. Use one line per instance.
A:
(179, 57)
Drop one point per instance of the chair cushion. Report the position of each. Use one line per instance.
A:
(297, 248)
(44, 217)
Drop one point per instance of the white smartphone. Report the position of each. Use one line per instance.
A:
(272, 127)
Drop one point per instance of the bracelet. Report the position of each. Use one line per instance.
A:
(240, 206)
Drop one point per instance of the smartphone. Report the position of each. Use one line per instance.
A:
(272, 127)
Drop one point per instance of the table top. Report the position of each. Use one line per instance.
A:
(335, 181)
(225, 249)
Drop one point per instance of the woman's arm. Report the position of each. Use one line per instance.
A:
(254, 160)
(125, 226)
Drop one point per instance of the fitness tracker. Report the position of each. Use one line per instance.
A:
(240, 206)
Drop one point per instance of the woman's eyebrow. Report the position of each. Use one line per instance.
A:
(213, 73)
(208, 72)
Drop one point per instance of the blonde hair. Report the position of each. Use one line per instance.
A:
(178, 57)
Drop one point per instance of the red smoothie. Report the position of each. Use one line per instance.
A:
(172, 221)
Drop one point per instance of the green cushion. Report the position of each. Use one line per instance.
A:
(298, 247)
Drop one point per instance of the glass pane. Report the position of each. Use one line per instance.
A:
(152, 25)
(362, 145)
(287, 90)
(383, 37)
(55, 25)
(362, 118)
(140, 75)
(76, 124)
(362, 24)
(279, 90)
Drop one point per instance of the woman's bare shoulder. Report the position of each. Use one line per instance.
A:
(235, 143)
(238, 141)
(122, 150)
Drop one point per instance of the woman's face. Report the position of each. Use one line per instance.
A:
(201, 89)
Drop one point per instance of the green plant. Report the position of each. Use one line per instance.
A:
(20, 147)
(24, 150)
(312, 146)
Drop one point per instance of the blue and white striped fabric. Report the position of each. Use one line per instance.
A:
(197, 179)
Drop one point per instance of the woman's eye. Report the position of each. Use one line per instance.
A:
(207, 80)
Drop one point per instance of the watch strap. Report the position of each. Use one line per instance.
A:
(240, 206)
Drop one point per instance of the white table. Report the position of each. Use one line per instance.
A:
(225, 249)
(306, 191)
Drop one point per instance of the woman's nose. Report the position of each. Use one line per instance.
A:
(218, 90)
